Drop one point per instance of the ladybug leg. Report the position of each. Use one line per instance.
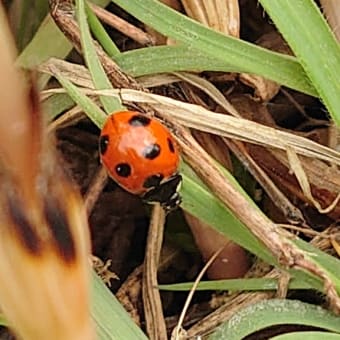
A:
(166, 193)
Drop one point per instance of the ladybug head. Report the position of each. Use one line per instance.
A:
(166, 193)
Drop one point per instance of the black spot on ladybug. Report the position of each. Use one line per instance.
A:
(103, 144)
(123, 169)
(152, 151)
(171, 145)
(139, 120)
(153, 181)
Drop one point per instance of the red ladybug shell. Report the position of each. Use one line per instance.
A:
(138, 152)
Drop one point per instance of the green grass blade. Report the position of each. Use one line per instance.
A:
(3, 321)
(318, 51)
(329, 264)
(160, 59)
(56, 104)
(92, 110)
(101, 35)
(307, 336)
(253, 59)
(235, 285)
(275, 312)
(98, 74)
(26, 21)
(112, 320)
(48, 42)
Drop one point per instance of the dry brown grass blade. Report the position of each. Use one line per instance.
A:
(324, 188)
(129, 294)
(154, 318)
(300, 174)
(44, 244)
(178, 330)
(293, 214)
(266, 89)
(123, 26)
(221, 15)
(332, 12)
(78, 74)
(70, 117)
(197, 117)
(209, 89)
(335, 244)
(96, 187)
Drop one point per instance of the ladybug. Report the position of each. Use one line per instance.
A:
(141, 155)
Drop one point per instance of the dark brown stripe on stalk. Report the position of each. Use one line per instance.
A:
(57, 221)
(23, 227)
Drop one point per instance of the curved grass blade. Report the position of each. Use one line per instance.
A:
(275, 312)
(315, 46)
(98, 74)
(307, 336)
(235, 285)
(56, 104)
(160, 59)
(92, 110)
(253, 59)
(99, 32)
(111, 318)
